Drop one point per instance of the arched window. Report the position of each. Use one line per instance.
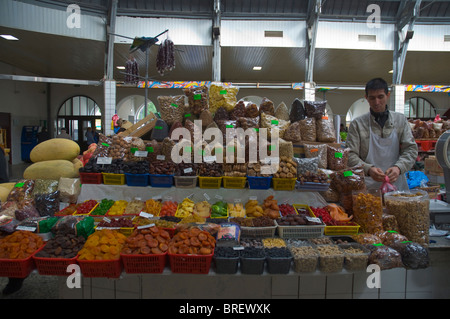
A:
(76, 114)
(419, 108)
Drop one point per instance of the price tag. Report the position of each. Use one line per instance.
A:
(274, 122)
(237, 200)
(209, 158)
(253, 198)
(106, 220)
(168, 198)
(348, 173)
(158, 127)
(223, 91)
(206, 196)
(313, 219)
(146, 226)
(104, 160)
(191, 196)
(137, 198)
(338, 155)
(238, 247)
(149, 149)
(157, 197)
(197, 96)
(188, 170)
(174, 105)
(314, 150)
(145, 215)
(218, 197)
(141, 153)
(160, 157)
(26, 228)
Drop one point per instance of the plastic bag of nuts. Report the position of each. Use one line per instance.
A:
(325, 130)
(197, 98)
(171, 108)
(337, 158)
(315, 109)
(316, 150)
(308, 129)
(411, 210)
(267, 107)
(222, 95)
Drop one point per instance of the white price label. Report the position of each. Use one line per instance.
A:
(253, 198)
(209, 158)
(238, 248)
(313, 219)
(146, 215)
(157, 197)
(26, 228)
(106, 219)
(218, 197)
(206, 196)
(146, 226)
(237, 200)
(188, 170)
(141, 153)
(104, 160)
(160, 157)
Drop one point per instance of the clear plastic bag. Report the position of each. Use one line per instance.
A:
(222, 95)
(315, 109)
(385, 257)
(308, 129)
(197, 98)
(75, 225)
(337, 158)
(171, 108)
(319, 151)
(43, 186)
(26, 210)
(325, 130)
(272, 123)
(47, 204)
(414, 255)
(367, 208)
(293, 133)
(282, 112)
(69, 189)
(297, 111)
(267, 107)
(22, 190)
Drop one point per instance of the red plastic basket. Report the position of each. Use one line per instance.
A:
(53, 266)
(101, 268)
(91, 178)
(190, 264)
(18, 268)
(142, 264)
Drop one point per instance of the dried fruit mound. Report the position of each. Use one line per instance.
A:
(192, 241)
(20, 245)
(152, 240)
(103, 244)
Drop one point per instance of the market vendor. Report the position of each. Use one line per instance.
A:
(381, 140)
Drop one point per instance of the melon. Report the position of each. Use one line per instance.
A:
(52, 169)
(4, 192)
(55, 149)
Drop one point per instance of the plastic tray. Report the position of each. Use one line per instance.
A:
(301, 231)
(141, 264)
(306, 262)
(136, 179)
(355, 261)
(113, 179)
(18, 268)
(101, 268)
(341, 230)
(226, 265)
(278, 265)
(156, 180)
(234, 182)
(185, 181)
(54, 266)
(209, 182)
(190, 264)
(284, 184)
(259, 182)
(91, 178)
(258, 232)
(252, 265)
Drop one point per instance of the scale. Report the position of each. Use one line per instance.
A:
(442, 152)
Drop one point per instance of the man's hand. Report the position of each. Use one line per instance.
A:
(393, 173)
(377, 174)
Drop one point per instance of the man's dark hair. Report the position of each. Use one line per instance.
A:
(377, 84)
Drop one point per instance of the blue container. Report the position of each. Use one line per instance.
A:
(136, 179)
(156, 180)
(258, 182)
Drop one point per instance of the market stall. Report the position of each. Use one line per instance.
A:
(133, 217)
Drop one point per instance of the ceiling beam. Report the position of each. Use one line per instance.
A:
(407, 14)
(110, 31)
(216, 55)
(312, 22)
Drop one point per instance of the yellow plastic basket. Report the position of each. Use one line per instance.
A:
(234, 182)
(284, 184)
(113, 179)
(209, 182)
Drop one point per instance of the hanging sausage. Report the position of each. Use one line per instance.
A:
(165, 60)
